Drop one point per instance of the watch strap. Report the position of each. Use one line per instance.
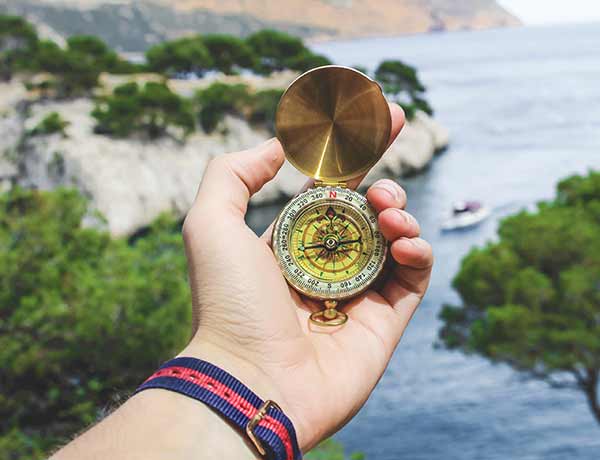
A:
(269, 429)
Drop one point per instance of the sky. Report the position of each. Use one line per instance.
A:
(554, 11)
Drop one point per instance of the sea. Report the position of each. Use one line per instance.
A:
(523, 109)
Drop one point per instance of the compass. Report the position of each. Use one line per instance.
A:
(334, 124)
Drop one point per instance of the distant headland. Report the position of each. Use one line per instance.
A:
(135, 25)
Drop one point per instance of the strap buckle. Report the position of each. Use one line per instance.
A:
(254, 421)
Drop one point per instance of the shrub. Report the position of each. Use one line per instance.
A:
(220, 99)
(264, 106)
(276, 51)
(70, 297)
(307, 60)
(18, 41)
(402, 84)
(228, 53)
(73, 72)
(50, 124)
(185, 55)
(99, 55)
(150, 110)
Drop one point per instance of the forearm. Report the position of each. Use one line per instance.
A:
(159, 424)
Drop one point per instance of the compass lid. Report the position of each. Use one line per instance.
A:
(333, 123)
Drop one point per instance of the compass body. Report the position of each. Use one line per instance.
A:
(334, 124)
(328, 243)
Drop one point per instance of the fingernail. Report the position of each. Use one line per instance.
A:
(389, 186)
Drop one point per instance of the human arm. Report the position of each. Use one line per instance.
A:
(250, 323)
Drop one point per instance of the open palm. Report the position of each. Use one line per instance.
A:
(248, 321)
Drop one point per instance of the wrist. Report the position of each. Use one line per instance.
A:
(245, 371)
(249, 374)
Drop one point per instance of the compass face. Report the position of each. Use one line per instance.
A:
(328, 244)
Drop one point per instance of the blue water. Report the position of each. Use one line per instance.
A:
(523, 107)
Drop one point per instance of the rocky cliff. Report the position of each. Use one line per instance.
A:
(131, 182)
(133, 25)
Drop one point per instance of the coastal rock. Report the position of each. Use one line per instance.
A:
(131, 181)
(11, 129)
(412, 151)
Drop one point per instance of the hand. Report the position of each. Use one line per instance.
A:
(251, 323)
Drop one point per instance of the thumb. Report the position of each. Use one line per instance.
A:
(231, 179)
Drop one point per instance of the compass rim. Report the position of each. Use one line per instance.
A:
(312, 294)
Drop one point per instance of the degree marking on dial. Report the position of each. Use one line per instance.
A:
(370, 252)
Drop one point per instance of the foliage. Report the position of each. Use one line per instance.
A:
(69, 298)
(307, 60)
(50, 124)
(185, 55)
(219, 99)
(332, 450)
(531, 299)
(149, 110)
(18, 41)
(99, 55)
(401, 82)
(73, 72)
(278, 51)
(264, 106)
(228, 53)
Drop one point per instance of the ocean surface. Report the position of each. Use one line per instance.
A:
(523, 107)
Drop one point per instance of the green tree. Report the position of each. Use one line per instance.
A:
(228, 53)
(150, 110)
(72, 72)
(330, 449)
(220, 99)
(69, 298)
(263, 107)
(18, 41)
(307, 60)
(50, 124)
(532, 299)
(401, 83)
(99, 55)
(278, 51)
(184, 55)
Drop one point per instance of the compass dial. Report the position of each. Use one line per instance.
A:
(328, 243)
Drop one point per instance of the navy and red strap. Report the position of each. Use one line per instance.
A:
(263, 421)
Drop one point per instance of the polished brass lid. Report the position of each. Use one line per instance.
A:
(333, 123)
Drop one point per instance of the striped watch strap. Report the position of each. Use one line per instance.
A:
(268, 427)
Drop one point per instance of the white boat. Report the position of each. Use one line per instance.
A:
(465, 214)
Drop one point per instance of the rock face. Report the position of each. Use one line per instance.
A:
(133, 25)
(131, 182)
(411, 152)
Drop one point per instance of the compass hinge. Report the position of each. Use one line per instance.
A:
(321, 183)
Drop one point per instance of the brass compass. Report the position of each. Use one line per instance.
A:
(334, 124)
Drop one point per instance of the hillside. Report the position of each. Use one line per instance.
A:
(133, 25)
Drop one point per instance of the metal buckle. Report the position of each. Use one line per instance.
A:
(254, 421)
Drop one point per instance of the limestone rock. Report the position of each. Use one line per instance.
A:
(131, 181)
